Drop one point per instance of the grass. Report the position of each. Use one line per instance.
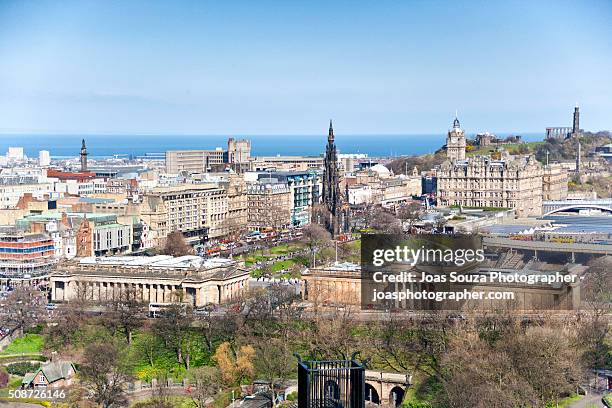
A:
(28, 344)
(14, 382)
(422, 393)
(512, 148)
(165, 361)
(280, 266)
(565, 402)
(175, 401)
(28, 401)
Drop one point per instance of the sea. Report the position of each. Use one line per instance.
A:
(115, 145)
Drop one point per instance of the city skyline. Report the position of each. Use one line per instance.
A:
(277, 69)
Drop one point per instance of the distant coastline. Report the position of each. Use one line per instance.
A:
(102, 146)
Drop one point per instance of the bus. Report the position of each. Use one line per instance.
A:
(157, 309)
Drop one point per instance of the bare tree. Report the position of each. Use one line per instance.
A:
(25, 308)
(315, 237)
(545, 358)
(476, 376)
(70, 319)
(104, 371)
(274, 363)
(410, 214)
(176, 245)
(384, 222)
(126, 313)
(174, 328)
(331, 334)
(205, 382)
(215, 328)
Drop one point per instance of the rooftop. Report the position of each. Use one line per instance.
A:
(159, 261)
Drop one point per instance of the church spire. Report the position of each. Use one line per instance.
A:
(330, 135)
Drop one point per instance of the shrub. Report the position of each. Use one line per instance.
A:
(22, 368)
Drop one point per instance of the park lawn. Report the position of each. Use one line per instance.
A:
(252, 258)
(28, 344)
(165, 361)
(279, 266)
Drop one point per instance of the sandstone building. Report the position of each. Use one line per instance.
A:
(159, 279)
(199, 211)
(482, 182)
(554, 182)
(269, 205)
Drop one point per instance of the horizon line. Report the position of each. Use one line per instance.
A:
(242, 135)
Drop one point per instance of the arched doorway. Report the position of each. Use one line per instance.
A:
(332, 391)
(396, 396)
(371, 394)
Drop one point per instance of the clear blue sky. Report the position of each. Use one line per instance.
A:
(286, 67)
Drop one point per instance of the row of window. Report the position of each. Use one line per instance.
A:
(26, 250)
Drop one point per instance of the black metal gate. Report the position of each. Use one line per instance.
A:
(331, 384)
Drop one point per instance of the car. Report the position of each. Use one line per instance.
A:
(51, 306)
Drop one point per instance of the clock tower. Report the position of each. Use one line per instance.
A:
(455, 142)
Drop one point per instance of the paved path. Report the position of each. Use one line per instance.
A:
(592, 400)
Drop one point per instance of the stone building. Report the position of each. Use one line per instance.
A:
(344, 285)
(564, 132)
(269, 205)
(193, 161)
(481, 182)
(199, 211)
(13, 187)
(54, 374)
(554, 182)
(238, 153)
(158, 279)
(305, 189)
(237, 203)
(336, 284)
(455, 142)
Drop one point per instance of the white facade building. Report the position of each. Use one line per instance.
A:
(44, 158)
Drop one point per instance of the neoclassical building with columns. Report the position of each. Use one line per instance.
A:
(157, 279)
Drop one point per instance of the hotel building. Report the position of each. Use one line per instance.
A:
(483, 182)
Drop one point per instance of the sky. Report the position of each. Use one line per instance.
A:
(287, 67)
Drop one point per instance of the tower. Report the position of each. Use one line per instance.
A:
(83, 156)
(455, 142)
(578, 158)
(336, 216)
(576, 123)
